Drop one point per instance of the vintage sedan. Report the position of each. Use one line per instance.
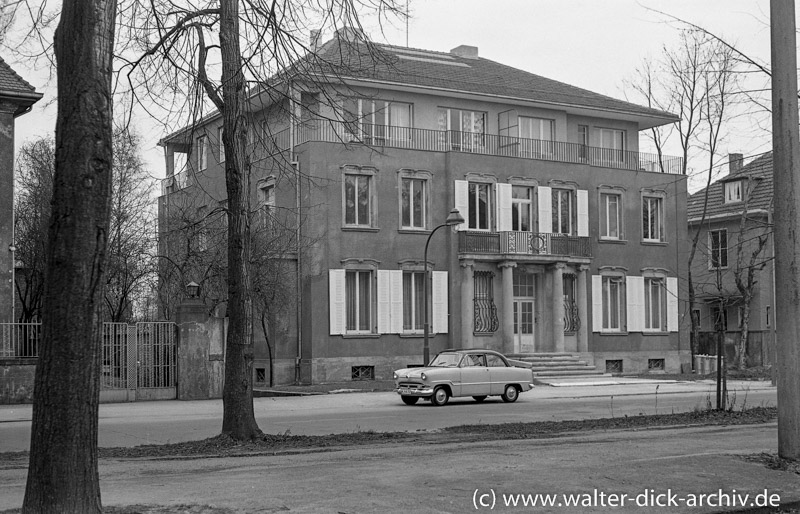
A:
(471, 372)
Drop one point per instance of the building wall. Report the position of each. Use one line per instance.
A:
(7, 293)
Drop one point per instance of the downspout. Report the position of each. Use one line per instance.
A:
(298, 284)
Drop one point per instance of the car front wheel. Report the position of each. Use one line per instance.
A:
(440, 396)
(409, 400)
(510, 395)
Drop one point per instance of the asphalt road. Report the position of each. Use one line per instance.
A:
(133, 424)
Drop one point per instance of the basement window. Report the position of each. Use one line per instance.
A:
(261, 375)
(655, 365)
(614, 366)
(362, 373)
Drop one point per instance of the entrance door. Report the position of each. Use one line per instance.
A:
(523, 325)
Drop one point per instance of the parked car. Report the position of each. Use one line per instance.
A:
(471, 372)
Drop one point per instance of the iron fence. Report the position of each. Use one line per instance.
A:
(20, 340)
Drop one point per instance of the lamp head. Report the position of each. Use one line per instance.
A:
(454, 218)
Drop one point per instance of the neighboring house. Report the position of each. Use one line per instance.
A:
(573, 241)
(16, 99)
(719, 302)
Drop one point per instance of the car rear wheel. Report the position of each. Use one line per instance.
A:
(510, 394)
(479, 399)
(440, 396)
(409, 400)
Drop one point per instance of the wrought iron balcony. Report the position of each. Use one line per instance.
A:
(525, 243)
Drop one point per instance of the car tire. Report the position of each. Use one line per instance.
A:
(510, 394)
(479, 399)
(440, 396)
(410, 400)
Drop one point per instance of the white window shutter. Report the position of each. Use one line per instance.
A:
(503, 207)
(635, 299)
(336, 308)
(545, 209)
(439, 297)
(384, 302)
(672, 304)
(597, 303)
(461, 194)
(583, 213)
(396, 280)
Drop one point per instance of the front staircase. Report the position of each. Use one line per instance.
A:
(556, 365)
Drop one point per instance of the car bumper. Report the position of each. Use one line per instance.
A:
(418, 390)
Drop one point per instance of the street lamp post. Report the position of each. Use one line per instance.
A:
(454, 218)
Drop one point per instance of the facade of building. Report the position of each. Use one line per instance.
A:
(573, 240)
(16, 98)
(738, 219)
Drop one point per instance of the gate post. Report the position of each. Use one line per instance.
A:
(194, 379)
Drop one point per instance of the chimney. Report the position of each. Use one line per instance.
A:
(465, 51)
(314, 40)
(735, 161)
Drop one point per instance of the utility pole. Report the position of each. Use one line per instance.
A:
(786, 158)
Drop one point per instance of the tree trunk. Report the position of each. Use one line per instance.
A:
(62, 473)
(741, 347)
(238, 419)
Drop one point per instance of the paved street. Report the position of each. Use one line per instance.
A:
(132, 424)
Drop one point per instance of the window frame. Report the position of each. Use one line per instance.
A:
(734, 191)
(367, 125)
(647, 211)
(369, 175)
(425, 177)
(418, 296)
(472, 212)
(606, 325)
(655, 286)
(555, 207)
(478, 139)
(718, 251)
(517, 206)
(371, 302)
(604, 215)
(266, 201)
(202, 152)
(610, 153)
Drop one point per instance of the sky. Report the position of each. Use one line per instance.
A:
(591, 44)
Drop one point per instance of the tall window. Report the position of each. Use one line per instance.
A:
(536, 135)
(610, 216)
(414, 202)
(652, 218)
(521, 208)
(563, 211)
(357, 199)
(612, 144)
(485, 310)
(733, 191)
(583, 141)
(358, 301)
(612, 303)
(480, 206)
(379, 119)
(466, 128)
(202, 152)
(718, 243)
(655, 304)
(266, 200)
(413, 300)
(220, 133)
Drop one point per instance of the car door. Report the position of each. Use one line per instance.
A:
(474, 375)
(500, 373)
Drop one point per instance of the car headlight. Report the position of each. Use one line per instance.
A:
(423, 376)
(394, 375)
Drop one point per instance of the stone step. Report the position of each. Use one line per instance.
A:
(572, 373)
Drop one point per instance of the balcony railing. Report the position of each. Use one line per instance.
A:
(451, 141)
(525, 243)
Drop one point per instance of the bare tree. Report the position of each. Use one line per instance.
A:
(62, 471)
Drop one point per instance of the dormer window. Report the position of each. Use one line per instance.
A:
(733, 191)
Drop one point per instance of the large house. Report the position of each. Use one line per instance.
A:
(735, 236)
(573, 241)
(16, 98)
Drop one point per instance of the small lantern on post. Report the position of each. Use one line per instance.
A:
(193, 290)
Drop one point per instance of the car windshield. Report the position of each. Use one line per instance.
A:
(446, 360)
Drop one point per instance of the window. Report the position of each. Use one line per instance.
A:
(521, 208)
(614, 366)
(362, 373)
(612, 304)
(537, 136)
(571, 314)
(358, 301)
(655, 304)
(652, 218)
(768, 316)
(413, 300)
(357, 193)
(718, 245)
(655, 365)
(720, 317)
(465, 129)
(202, 149)
(563, 209)
(261, 375)
(610, 216)
(612, 144)
(486, 320)
(480, 206)
(583, 141)
(266, 200)
(374, 121)
(414, 203)
(733, 191)
(220, 132)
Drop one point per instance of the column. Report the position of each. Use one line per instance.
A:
(558, 306)
(583, 309)
(467, 307)
(507, 306)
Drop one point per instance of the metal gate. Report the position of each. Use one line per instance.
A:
(139, 361)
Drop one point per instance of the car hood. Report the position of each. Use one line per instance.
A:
(414, 372)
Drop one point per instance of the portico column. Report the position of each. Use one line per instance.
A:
(583, 310)
(507, 316)
(558, 306)
(467, 307)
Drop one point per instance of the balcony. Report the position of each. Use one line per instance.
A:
(523, 243)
